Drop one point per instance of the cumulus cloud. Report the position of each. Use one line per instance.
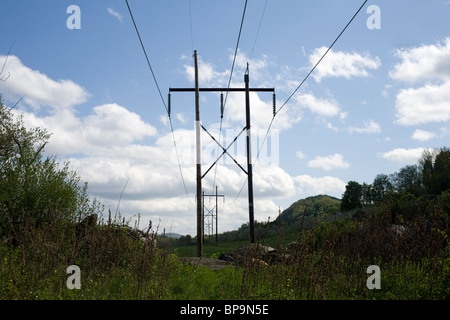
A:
(427, 62)
(422, 135)
(402, 155)
(335, 161)
(38, 89)
(319, 106)
(369, 127)
(207, 74)
(429, 103)
(109, 125)
(307, 185)
(342, 64)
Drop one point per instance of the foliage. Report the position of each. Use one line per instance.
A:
(407, 191)
(315, 206)
(352, 196)
(33, 188)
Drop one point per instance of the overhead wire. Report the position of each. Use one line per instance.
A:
(259, 28)
(323, 56)
(251, 55)
(190, 24)
(298, 87)
(162, 99)
(229, 83)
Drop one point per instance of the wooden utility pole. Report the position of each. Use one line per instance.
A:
(198, 126)
(217, 216)
(199, 163)
(210, 213)
(251, 211)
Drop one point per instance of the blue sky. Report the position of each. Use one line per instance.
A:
(374, 103)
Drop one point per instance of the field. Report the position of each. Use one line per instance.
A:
(329, 261)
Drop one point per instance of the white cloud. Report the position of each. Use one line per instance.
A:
(207, 75)
(322, 107)
(38, 89)
(115, 14)
(109, 125)
(430, 103)
(300, 155)
(272, 182)
(261, 112)
(180, 117)
(335, 161)
(427, 62)
(310, 186)
(422, 135)
(342, 64)
(369, 127)
(409, 156)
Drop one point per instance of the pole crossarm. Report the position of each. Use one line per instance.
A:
(221, 89)
(224, 151)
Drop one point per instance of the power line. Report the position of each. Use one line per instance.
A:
(323, 56)
(251, 55)
(146, 56)
(190, 23)
(162, 99)
(259, 27)
(312, 70)
(235, 52)
(229, 81)
(298, 87)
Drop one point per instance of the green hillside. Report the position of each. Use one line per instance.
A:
(320, 205)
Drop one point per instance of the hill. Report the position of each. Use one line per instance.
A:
(320, 205)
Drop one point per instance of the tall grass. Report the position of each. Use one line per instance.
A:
(327, 262)
(113, 263)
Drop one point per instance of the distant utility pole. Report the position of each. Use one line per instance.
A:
(249, 170)
(210, 212)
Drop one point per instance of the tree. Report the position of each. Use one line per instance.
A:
(408, 180)
(367, 194)
(34, 190)
(380, 187)
(435, 167)
(351, 199)
(441, 172)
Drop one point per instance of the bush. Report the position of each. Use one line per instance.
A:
(33, 189)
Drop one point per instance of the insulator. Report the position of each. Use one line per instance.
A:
(274, 105)
(169, 104)
(221, 105)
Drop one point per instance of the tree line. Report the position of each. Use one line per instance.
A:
(419, 185)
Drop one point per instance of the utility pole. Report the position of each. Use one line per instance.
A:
(199, 163)
(251, 211)
(210, 213)
(249, 170)
(217, 215)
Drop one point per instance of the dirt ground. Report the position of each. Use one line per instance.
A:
(211, 263)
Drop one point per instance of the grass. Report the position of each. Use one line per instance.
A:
(329, 262)
(211, 248)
